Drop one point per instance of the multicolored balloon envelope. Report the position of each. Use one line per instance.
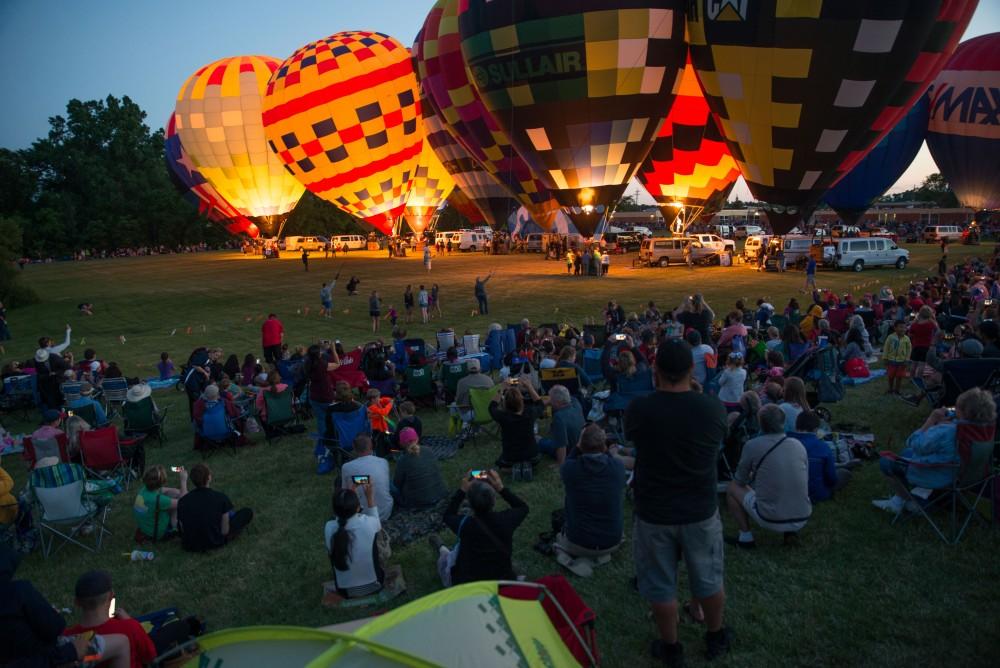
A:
(197, 191)
(464, 206)
(343, 115)
(491, 199)
(800, 86)
(217, 118)
(579, 86)
(443, 77)
(964, 130)
(432, 184)
(883, 165)
(689, 164)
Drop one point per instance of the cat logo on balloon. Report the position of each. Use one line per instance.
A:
(726, 10)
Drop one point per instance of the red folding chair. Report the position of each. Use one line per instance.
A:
(101, 454)
(837, 317)
(31, 456)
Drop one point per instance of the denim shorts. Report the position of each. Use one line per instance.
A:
(656, 549)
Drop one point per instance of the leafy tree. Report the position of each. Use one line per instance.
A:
(313, 215)
(934, 190)
(12, 292)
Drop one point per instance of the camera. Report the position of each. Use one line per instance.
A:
(514, 381)
(618, 337)
(361, 479)
(478, 474)
(176, 469)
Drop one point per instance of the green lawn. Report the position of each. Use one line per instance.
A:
(856, 592)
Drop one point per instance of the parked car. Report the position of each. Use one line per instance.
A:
(352, 241)
(716, 242)
(747, 231)
(935, 233)
(296, 243)
(664, 251)
(533, 242)
(873, 252)
(795, 247)
(841, 231)
(884, 233)
(754, 245)
(621, 242)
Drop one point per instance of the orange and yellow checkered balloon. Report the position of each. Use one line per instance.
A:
(343, 115)
(432, 184)
(219, 124)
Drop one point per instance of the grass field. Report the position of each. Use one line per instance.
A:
(856, 592)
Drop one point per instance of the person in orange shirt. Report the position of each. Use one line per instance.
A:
(379, 409)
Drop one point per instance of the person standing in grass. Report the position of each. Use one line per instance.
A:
(408, 303)
(305, 259)
(481, 296)
(272, 334)
(427, 258)
(896, 353)
(810, 274)
(436, 300)
(326, 297)
(375, 310)
(423, 299)
(677, 433)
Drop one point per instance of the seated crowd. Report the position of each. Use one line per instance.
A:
(720, 395)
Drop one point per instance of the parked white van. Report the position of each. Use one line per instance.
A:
(754, 246)
(470, 240)
(352, 241)
(534, 242)
(445, 237)
(307, 243)
(935, 233)
(664, 251)
(873, 252)
(795, 247)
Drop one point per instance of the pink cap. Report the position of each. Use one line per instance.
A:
(408, 435)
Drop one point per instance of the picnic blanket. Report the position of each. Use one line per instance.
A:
(157, 384)
(872, 375)
(407, 525)
(442, 446)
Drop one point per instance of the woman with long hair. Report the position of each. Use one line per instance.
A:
(794, 402)
(317, 369)
(351, 543)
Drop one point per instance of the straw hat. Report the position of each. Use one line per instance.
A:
(138, 392)
(42, 355)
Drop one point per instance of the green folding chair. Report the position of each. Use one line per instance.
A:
(420, 384)
(480, 400)
(450, 375)
(280, 413)
(140, 417)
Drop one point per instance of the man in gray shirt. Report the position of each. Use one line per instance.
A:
(771, 485)
(475, 379)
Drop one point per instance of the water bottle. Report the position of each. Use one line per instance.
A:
(139, 555)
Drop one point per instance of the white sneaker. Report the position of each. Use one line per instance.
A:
(892, 505)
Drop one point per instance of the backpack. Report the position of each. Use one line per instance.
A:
(829, 390)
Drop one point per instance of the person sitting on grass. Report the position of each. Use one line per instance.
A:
(794, 401)
(351, 543)
(417, 482)
(594, 483)
(486, 537)
(155, 507)
(93, 595)
(567, 423)
(771, 483)
(274, 387)
(825, 477)
(934, 445)
(517, 418)
(407, 418)
(366, 463)
(33, 633)
(206, 517)
(343, 399)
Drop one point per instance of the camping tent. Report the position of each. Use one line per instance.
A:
(474, 624)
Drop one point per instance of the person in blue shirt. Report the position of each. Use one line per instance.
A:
(594, 481)
(824, 476)
(86, 399)
(811, 273)
(935, 446)
(567, 423)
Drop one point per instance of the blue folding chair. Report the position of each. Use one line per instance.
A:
(494, 346)
(592, 364)
(216, 431)
(338, 444)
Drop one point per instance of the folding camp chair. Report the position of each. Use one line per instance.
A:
(140, 417)
(973, 478)
(565, 376)
(639, 385)
(115, 391)
(64, 511)
(480, 399)
(20, 394)
(70, 391)
(959, 375)
(494, 346)
(571, 617)
(450, 375)
(101, 455)
(216, 431)
(341, 430)
(837, 317)
(280, 414)
(420, 384)
(57, 447)
(592, 364)
(88, 414)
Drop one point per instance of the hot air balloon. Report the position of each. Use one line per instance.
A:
(883, 165)
(801, 89)
(964, 130)
(343, 115)
(465, 207)
(491, 200)
(579, 86)
(689, 166)
(197, 191)
(432, 184)
(217, 117)
(441, 69)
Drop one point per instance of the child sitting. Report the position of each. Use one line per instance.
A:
(773, 338)
(732, 381)
(165, 366)
(407, 418)
(379, 409)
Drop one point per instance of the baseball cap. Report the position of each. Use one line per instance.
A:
(970, 348)
(408, 435)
